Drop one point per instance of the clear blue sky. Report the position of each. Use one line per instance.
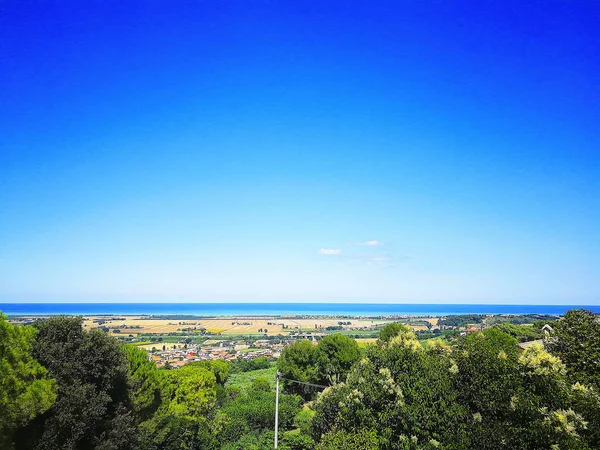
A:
(300, 151)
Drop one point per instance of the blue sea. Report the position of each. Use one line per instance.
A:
(272, 309)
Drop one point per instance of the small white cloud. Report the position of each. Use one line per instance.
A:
(372, 243)
(329, 251)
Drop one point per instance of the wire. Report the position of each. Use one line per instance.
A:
(305, 383)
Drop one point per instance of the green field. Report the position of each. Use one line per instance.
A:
(243, 380)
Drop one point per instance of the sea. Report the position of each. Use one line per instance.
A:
(277, 309)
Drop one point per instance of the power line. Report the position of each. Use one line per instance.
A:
(305, 383)
(277, 378)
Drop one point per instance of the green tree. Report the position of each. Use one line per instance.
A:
(261, 384)
(392, 330)
(298, 362)
(167, 432)
(26, 391)
(146, 383)
(92, 410)
(220, 369)
(254, 412)
(518, 401)
(576, 340)
(335, 356)
(194, 395)
(360, 439)
(397, 389)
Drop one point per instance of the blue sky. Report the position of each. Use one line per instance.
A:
(300, 151)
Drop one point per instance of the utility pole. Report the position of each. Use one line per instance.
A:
(277, 377)
(276, 406)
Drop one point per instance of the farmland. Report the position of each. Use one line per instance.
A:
(143, 325)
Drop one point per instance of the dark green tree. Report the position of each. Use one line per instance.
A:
(92, 410)
(335, 356)
(298, 361)
(146, 383)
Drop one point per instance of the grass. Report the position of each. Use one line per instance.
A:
(243, 380)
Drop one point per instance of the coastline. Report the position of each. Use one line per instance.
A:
(263, 310)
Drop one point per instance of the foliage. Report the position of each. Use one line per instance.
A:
(517, 401)
(576, 340)
(298, 361)
(92, 410)
(326, 363)
(243, 381)
(397, 389)
(247, 365)
(358, 440)
(521, 333)
(262, 441)
(219, 368)
(296, 441)
(460, 320)
(194, 395)
(391, 330)
(261, 384)
(146, 383)
(303, 420)
(167, 432)
(254, 412)
(25, 388)
(335, 356)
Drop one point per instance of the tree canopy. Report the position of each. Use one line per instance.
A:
(26, 390)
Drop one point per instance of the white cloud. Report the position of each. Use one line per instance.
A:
(329, 251)
(372, 243)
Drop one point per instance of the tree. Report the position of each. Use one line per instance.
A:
(26, 390)
(254, 412)
(92, 410)
(261, 384)
(335, 356)
(146, 383)
(518, 401)
(167, 432)
(194, 395)
(218, 367)
(397, 389)
(576, 340)
(360, 439)
(392, 330)
(298, 362)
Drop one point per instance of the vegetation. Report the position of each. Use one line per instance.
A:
(521, 333)
(324, 364)
(64, 388)
(244, 380)
(26, 391)
(576, 340)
